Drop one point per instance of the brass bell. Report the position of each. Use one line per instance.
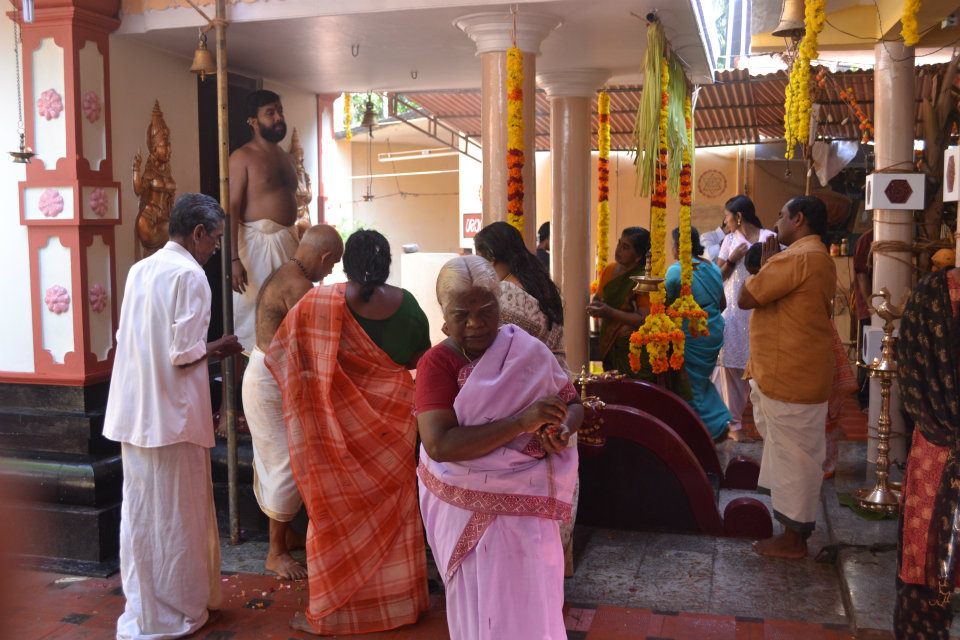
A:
(791, 20)
(369, 116)
(203, 63)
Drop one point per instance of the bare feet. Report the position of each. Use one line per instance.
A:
(221, 420)
(788, 544)
(741, 435)
(285, 566)
(295, 540)
(300, 623)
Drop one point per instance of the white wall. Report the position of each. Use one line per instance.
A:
(138, 76)
(16, 328)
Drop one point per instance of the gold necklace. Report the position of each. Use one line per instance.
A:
(469, 359)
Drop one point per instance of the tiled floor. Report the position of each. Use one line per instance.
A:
(632, 585)
(258, 607)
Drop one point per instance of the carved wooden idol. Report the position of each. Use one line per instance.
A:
(304, 192)
(155, 185)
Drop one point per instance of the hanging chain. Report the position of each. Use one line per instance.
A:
(17, 45)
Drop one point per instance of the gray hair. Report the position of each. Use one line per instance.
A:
(192, 209)
(464, 273)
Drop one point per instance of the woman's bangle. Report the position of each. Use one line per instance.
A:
(235, 260)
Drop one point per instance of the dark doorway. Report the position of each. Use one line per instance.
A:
(238, 87)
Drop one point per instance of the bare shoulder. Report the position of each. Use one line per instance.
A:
(295, 290)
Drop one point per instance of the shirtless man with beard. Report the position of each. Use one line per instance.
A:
(263, 189)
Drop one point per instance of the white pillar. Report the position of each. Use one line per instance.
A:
(894, 113)
(571, 95)
(493, 33)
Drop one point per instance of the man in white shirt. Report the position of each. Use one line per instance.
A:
(711, 241)
(159, 410)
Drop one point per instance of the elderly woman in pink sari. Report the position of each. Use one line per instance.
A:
(495, 413)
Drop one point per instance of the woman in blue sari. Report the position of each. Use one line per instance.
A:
(700, 353)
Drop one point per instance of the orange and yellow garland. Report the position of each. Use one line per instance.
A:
(347, 116)
(515, 138)
(603, 183)
(659, 330)
(685, 306)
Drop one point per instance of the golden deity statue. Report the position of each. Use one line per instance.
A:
(155, 185)
(304, 192)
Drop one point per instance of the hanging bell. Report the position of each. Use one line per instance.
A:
(203, 63)
(791, 20)
(369, 116)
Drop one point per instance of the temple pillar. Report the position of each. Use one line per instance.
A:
(571, 96)
(325, 141)
(51, 416)
(894, 114)
(493, 34)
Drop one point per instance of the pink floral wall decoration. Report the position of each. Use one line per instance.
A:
(50, 104)
(57, 299)
(51, 203)
(91, 106)
(98, 298)
(98, 202)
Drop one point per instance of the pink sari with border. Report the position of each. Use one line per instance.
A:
(504, 506)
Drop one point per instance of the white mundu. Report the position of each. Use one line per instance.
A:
(262, 246)
(159, 410)
(273, 481)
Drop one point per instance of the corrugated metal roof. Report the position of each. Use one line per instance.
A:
(736, 109)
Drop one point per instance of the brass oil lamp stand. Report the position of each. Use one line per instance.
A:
(647, 282)
(883, 497)
(588, 433)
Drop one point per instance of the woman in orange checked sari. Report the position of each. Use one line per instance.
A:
(348, 411)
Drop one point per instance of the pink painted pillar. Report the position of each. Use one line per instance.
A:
(493, 34)
(571, 95)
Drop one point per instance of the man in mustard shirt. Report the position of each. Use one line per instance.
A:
(791, 368)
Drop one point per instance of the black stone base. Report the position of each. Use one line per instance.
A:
(69, 567)
(65, 533)
(62, 479)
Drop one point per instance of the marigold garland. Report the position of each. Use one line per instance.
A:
(685, 307)
(659, 331)
(347, 116)
(796, 105)
(848, 96)
(515, 157)
(908, 22)
(603, 181)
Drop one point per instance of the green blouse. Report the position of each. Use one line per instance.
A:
(402, 335)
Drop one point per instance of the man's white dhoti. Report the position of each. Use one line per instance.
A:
(263, 245)
(169, 546)
(273, 481)
(794, 446)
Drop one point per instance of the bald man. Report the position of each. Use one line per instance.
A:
(273, 482)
